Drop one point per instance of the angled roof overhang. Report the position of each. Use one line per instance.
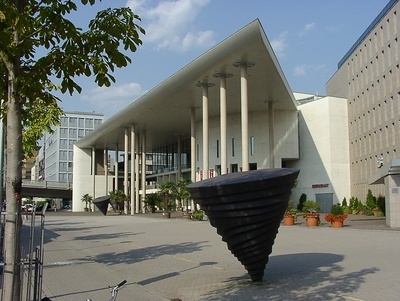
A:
(164, 112)
(392, 168)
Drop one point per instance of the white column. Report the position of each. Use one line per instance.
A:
(179, 158)
(192, 149)
(143, 171)
(137, 177)
(244, 112)
(223, 117)
(116, 168)
(126, 153)
(193, 144)
(132, 179)
(93, 174)
(205, 128)
(105, 163)
(271, 141)
(244, 118)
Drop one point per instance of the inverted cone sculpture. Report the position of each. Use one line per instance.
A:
(102, 203)
(247, 208)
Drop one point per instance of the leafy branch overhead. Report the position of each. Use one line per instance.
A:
(50, 52)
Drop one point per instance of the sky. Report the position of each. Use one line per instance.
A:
(309, 38)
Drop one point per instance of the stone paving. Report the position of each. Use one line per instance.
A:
(179, 259)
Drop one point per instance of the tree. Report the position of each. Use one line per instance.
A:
(166, 190)
(181, 193)
(119, 197)
(88, 200)
(39, 46)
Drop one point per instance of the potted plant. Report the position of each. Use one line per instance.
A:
(151, 201)
(88, 200)
(336, 216)
(310, 213)
(290, 215)
(166, 192)
(118, 198)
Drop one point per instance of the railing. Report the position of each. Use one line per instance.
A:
(46, 184)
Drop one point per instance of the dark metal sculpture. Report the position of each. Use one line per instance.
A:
(246, 208)
(102, 203)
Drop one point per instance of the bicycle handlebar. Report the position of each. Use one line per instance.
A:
(121, 284)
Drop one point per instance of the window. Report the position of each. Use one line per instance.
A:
(72, 133)
(89, 122)
(97, 122)
(73, 121)
(252, 146)
(233, 147)
(217, 148)
(81, 123)
(64, 121)
(81, 133)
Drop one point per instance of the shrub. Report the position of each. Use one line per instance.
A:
(337, 210)
(310, 206)
(380, 203)
(370, 201)
(198, 215)
(302, 200)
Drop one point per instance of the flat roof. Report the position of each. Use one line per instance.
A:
(164, 112)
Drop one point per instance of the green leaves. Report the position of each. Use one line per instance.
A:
(46, 52)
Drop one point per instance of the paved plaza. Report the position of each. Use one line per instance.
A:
(172, 259)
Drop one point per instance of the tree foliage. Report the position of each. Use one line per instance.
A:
(42, 51)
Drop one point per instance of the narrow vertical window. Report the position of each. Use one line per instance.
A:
(252, 146)
(197, 152)
(217, 148)
(233, 147)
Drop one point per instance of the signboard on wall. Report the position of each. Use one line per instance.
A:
(319, 185)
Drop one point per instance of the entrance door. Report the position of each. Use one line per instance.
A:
(325, 201)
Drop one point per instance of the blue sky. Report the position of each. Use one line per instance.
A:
(309, 38)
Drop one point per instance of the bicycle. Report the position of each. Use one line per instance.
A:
(113, 290)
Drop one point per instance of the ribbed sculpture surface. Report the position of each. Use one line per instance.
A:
(246, 208)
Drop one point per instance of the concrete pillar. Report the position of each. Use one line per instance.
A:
(105, 163)
(93, 175)
(205, 86)
(132, 178)
(271, 141)
(179, 158)
(223, 117)
(137, 178)
(116, 168)
(126, 153)
(244, 112)
(193, 144)
(143, 171)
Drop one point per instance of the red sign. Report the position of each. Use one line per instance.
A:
(319, 185)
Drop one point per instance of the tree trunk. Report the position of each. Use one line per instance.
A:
(12, 237)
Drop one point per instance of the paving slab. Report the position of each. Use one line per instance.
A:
(172, 259)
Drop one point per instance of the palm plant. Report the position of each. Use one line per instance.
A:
(166, 191)
(181, 193)
(87, 198)
(119, 197)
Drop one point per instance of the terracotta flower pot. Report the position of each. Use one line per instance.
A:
(336, 224)
(311, 221)
(288, 220)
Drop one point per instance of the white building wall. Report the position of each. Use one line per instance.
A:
(285, 132)
(324, 152)
(83, 179)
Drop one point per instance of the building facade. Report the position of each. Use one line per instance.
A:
(232, 110)
(57, 160)
(368, 76)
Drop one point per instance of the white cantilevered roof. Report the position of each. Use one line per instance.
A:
(164, 112)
